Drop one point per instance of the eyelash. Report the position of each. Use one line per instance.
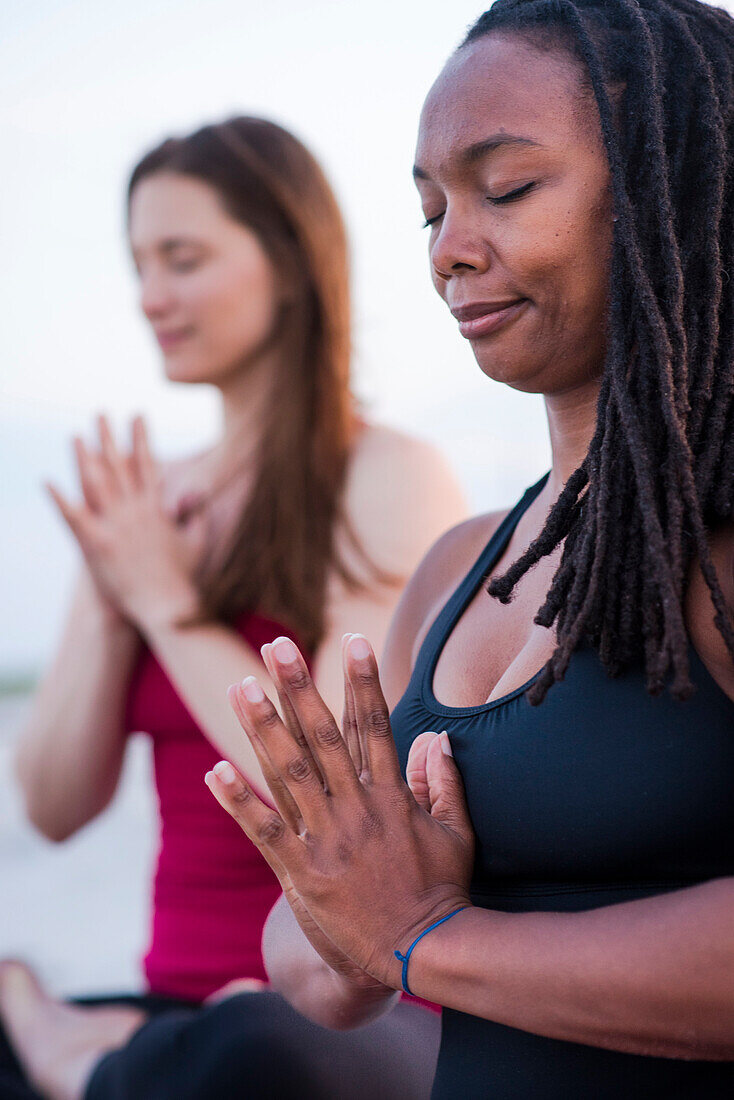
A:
(511, 196)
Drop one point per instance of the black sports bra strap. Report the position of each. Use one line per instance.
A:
(453, 609)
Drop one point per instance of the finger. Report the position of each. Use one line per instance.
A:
(261, 824)
(316, 720)
(415, 771)
(350, 729)
(373, 716)
(289, 715)
(144, 465)
(281, 795)
(286, 707)
(292, 766)
(72, 514)
(91, 480)
(446, 789)
(113, 461)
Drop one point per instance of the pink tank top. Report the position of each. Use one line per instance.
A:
(212, 890)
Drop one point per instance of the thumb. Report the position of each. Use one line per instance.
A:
(446, 789)
(415, 770)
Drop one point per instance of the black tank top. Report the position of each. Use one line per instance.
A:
(601, 794)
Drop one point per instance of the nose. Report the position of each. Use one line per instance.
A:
(155, 295)
(459, 246)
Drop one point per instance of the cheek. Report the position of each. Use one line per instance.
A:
(568, 271)
(240, 306)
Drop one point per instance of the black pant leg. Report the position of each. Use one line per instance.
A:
(13, 1083)
(254, 1045)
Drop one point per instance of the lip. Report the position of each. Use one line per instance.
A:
(482, 318)
(172, 337)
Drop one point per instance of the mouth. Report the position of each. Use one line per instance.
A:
(170, 338)
(482, 318)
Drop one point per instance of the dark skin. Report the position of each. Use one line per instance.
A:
(339, 800)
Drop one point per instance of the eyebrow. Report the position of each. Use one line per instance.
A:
(480, 149)
(170, 244)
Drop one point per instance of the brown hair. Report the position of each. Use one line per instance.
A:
(283, 545)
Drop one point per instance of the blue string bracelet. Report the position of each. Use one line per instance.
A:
(405, 959)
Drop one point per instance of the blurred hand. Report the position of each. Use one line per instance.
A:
(141, 561)
(372, 865)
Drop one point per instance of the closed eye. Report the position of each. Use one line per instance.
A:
(510, 196)
(183, 264)
(496, 200)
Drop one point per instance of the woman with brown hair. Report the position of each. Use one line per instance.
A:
(302, 520)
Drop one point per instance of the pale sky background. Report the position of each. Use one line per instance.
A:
(85, 88)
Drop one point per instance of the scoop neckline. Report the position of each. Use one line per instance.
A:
(486, 561)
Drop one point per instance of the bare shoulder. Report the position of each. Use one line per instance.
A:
(700, 613)
(401, 494)
(440, 572)
(408, 463)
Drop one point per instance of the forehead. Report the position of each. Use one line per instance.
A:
(165, 204)
(503, 84)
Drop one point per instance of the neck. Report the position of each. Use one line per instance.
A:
(571, 424)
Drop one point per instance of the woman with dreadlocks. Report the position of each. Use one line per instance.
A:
(561, 859)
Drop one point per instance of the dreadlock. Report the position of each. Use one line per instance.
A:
(659, 472)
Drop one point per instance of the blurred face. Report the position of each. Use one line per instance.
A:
(207, 286)
(514, 184)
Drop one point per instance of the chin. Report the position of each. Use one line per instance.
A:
(513, 371)
(186, 369)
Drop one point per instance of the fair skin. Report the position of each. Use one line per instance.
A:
(196, 266)
(669, 991)
(190, 255)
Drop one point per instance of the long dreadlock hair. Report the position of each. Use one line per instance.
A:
(659, 472)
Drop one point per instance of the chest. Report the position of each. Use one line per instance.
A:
(600, 784)
(494, 648)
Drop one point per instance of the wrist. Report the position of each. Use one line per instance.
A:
(404, 957)
(442, 959)
(355, 999)
(167, 612)
(102, 616)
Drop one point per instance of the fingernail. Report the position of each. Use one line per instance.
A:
(285, 652)
(359, 647)
(445, 743)
(252, 690)
(224, 772)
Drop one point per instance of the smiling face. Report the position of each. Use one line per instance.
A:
(207, 286)
(514, 182)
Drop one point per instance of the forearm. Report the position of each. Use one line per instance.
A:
(298, 973)
(71, 749)
(202, 661)
(652, 977)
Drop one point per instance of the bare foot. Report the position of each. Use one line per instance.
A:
(57, 1044)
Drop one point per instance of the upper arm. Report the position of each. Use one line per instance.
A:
(400, 496)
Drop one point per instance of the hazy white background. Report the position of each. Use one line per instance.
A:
(85, 88)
